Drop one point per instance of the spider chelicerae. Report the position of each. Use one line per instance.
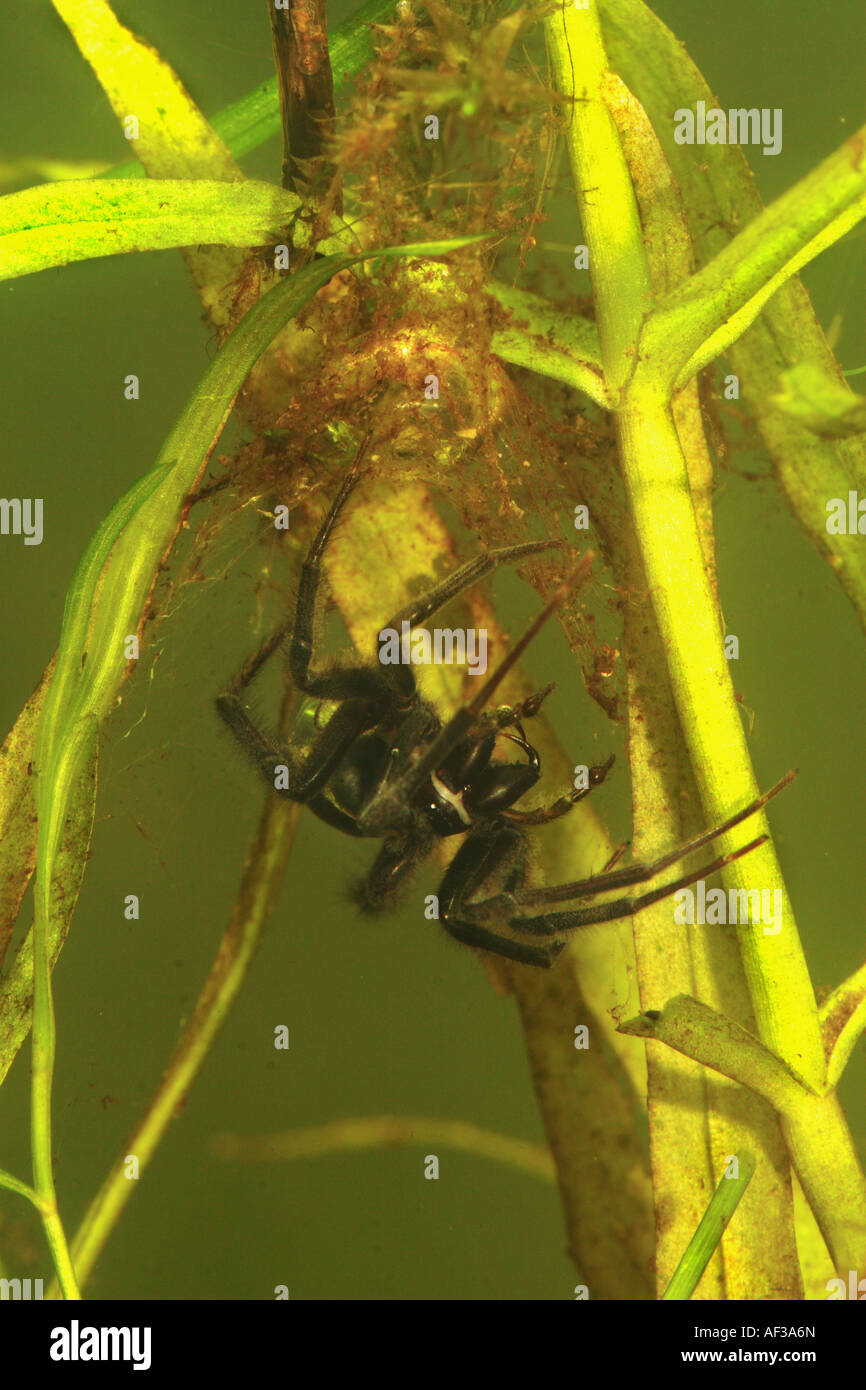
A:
(384, 766)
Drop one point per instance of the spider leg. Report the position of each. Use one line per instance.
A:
(306, 780)
(341, 683)
(482, 856)
(570, 919)
(484, 940)
(511, 716)
(406, 787)
(485, 854)
(425, 605)
(542, 814)
(364, 694)
(398, 858)
(332, 815)
(633, 874)
(356, 714)
(361, 680)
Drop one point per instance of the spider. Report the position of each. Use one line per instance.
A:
(384, 766)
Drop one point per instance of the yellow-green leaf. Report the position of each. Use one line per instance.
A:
(824, 405)
(172, 137)
(54, 224)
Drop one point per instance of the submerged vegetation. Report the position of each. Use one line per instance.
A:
(406, 283)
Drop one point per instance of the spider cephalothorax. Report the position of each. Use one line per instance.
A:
(383, 765)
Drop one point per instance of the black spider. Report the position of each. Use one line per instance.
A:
(385, 766)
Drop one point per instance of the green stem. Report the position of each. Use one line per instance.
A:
(685, 610)
(699, 673)
(723, 1204)
(262, 878)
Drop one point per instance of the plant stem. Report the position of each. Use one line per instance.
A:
(684, 607)
(262, 877)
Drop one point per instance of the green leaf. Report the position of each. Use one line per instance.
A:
(255, 118)
(701, 1247)
(172, 135)
(548, 340)
(824, 405)
(54, 224)
(701, 319)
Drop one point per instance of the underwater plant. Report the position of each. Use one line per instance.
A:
(508, 249)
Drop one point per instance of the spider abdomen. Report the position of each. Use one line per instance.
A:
(360, 774)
